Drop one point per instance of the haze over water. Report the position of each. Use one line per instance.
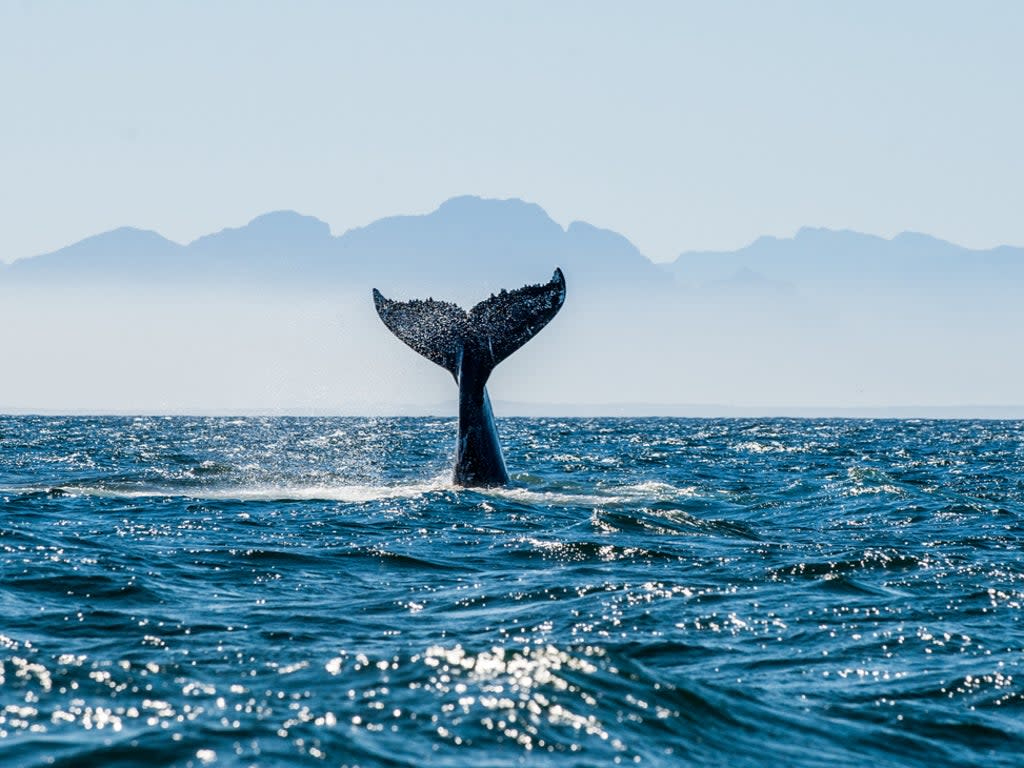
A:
(183, 591)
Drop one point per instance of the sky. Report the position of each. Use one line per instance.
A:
(684, 126)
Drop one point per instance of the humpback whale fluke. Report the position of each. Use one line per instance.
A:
(469, 345)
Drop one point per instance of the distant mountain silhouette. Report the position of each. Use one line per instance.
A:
(470, 247)
(468, 244)
(121, 251)
(814, 256)
(271, 230)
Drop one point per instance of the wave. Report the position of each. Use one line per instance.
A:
(356, 493)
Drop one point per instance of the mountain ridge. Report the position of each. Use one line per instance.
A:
(257, 225)
(470, 246)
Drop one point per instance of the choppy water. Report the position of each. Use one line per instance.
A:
(179, 591)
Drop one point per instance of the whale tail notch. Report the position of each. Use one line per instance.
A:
(491, 331)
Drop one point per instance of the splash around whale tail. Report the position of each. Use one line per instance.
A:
(446, 334)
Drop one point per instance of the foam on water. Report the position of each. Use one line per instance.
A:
(362, 493)
(353, 494)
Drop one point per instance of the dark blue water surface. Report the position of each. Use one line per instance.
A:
(186, 591)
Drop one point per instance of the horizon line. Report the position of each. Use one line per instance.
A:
(1005, 412)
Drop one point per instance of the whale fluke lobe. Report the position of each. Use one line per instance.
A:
(435, 329)
(469, 345)
(507, 320)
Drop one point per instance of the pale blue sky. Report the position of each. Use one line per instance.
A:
(681, 125)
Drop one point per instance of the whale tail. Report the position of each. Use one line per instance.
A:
(469, 345)
(491, 331)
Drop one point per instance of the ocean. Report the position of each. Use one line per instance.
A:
(287, 591)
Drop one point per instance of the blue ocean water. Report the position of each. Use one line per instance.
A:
(235, 592)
